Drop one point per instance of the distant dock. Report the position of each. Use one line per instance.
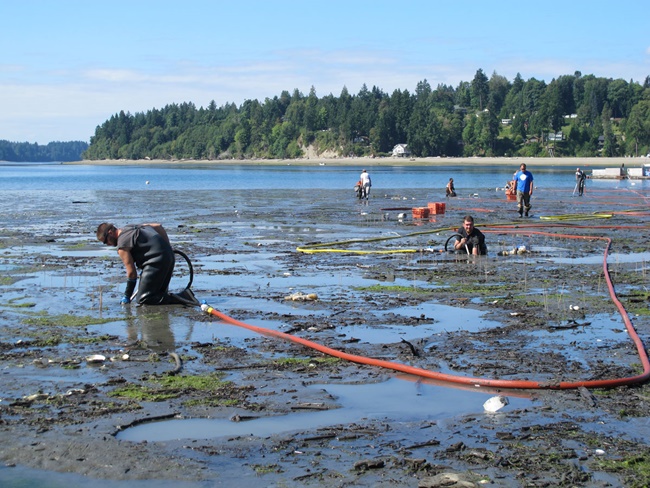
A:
(622, 173)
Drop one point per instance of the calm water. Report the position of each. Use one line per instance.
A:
(67, 178)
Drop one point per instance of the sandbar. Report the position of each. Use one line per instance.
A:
(387, 161)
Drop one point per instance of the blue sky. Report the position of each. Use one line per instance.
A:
(68, 65)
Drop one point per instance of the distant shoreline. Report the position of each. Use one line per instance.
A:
(370, 162)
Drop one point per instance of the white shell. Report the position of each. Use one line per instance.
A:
(495, 403)
(95, 358)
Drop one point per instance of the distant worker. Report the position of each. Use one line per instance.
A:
(523, 180)
(358, 190)
(365, 184)
(450, 191)
(147, 247)
(581, 178)
(470, 238)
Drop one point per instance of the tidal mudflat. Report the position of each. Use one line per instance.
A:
(249, 409)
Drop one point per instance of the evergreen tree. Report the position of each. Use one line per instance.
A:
(448, 120)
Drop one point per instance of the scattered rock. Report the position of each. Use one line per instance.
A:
(367, 464)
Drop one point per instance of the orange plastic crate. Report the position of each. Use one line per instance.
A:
(420, 212)
(437, 208)
(511, 196)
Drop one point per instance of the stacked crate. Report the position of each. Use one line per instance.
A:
(421, 212)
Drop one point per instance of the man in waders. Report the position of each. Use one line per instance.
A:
(450, 191)
(470, 238)
(147, 247)
(581, 178)
(523, 181)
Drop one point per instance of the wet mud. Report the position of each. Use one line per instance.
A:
(542, 314)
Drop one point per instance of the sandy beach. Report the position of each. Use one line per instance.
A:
(390, 161)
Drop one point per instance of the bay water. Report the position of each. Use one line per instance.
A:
(193, 176)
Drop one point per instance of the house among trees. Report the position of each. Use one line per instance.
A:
(401, 151)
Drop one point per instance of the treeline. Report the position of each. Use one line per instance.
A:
(54, 151)
(573, 115)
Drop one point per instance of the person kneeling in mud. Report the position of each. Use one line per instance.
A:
(358, 190)
(147, 247)
(469, 238)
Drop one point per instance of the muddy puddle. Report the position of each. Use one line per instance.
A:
(395, 400)
(613, 258)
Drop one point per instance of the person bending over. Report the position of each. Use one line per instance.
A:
(450, 191)
(470, 238)
(146, 247)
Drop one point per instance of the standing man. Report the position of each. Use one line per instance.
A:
(147, 247)
(581, 178)
(523, 181)
(365, 183)
(470, 238)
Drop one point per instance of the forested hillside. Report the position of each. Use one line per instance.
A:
(54, 151)
(573, 115)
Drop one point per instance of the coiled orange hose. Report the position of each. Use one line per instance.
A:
(468, 380)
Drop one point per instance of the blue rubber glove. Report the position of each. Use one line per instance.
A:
(125, 300)
(130, 288)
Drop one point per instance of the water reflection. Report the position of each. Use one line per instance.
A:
(151, 326)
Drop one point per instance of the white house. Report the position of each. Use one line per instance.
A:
(401, 151)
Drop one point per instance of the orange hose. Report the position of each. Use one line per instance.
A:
(468, 380)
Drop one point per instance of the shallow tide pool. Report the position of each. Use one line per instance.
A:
(402, 399)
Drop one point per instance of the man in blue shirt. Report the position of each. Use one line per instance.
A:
(523, 181)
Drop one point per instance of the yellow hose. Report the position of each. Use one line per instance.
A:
(595, 215)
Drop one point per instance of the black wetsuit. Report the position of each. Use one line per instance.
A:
(475, 239)
(581, 183)
(154, 256)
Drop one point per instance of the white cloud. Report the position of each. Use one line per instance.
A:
(73, 103)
